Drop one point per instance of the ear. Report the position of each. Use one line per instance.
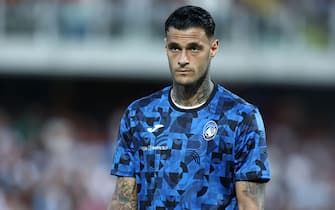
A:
(214, 47)
(165, 43)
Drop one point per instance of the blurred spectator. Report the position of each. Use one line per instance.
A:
(253, 22)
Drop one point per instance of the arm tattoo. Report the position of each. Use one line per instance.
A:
(125, 195)
(255, 192)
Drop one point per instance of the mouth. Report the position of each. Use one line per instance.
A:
(183, 71)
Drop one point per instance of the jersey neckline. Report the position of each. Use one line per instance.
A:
(178, 108)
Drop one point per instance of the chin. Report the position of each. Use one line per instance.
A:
(184, 81)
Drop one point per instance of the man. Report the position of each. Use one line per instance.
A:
(192, 145)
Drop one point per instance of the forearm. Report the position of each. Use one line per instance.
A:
(250, 195)
(119, 205)
(125, 195)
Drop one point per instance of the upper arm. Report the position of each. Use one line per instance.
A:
(125, 195)
(250, 149)
(250, 195)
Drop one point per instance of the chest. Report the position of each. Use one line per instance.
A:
(184, 141)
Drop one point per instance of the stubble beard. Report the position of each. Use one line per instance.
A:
(192, 84)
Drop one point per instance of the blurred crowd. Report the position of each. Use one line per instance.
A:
(304, 23)
(301, 141)
(56, 162)
(61, 160)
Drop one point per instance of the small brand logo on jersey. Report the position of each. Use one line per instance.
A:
(155, 128)
(146, 148)
(210, 129)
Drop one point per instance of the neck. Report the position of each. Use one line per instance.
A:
(192, 95)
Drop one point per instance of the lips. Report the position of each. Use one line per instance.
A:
(183, 70)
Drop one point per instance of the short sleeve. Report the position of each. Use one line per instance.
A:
(123, 158)
(251, 156)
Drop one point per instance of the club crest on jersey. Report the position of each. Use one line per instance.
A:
(209, 131)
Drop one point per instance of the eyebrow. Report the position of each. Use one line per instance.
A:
(194, 45)
(173, 45)
(189, 45)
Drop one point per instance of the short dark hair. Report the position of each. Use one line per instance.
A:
(189, 16)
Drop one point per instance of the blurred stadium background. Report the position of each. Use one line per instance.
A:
(68, 68)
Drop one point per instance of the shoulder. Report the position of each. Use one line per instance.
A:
(233, 102)
(151, 100)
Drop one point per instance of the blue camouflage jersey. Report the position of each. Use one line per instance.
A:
(191, 158)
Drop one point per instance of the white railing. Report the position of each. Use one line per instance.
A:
(92, 34)
(111, 19)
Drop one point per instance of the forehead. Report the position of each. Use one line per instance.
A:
(187, 35)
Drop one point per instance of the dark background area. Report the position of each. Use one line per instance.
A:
(96, 97)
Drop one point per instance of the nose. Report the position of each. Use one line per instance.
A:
(183, 59)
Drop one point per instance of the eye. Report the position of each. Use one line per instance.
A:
(174, 49)
(195, 49)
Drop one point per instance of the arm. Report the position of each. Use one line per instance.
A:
(125, 195)
(250, 195)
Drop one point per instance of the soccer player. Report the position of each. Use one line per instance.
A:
(193, 144)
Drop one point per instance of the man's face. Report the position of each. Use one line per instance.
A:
(189, 54)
